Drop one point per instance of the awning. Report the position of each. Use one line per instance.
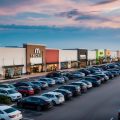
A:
(9, 66)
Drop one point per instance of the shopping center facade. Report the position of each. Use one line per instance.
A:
(35, 58)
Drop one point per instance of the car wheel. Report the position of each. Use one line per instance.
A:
(53, 102)
(38, 108)
(20, 105)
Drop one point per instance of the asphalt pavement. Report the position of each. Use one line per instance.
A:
(100, 103)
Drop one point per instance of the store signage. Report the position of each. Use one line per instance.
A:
(82, 56)
(37, 53)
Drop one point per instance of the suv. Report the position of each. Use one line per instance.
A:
(72, 88)
(25, 90)
(11, 93)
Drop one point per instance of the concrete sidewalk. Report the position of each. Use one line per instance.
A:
(30, 76)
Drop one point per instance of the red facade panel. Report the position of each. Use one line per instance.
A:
(52, 56)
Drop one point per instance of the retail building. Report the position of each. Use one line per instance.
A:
(107, 56)
(52, 59)
(35, 58)
(68, 59)
(100, 56)
(12, 61)
(114, 57)
(91, 58)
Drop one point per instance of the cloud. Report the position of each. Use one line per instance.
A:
(87, 13)
(105, 2)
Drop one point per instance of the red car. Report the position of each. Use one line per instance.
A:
(25, 90)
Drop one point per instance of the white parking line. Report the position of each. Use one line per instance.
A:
(27, 119)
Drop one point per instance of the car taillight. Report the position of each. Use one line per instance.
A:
(31, 91)
(12, 116)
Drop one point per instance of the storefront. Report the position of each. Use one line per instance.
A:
(68, 59)
(82, 57)
(107, 56)
(100, 56)
(52, 59)
(35, 58)
(114, 57)
(91, 58)
(118, 55)
(12, 62)
(13, 71)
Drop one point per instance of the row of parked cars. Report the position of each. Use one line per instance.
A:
(82, 81)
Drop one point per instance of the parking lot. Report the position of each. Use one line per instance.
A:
(100, 103)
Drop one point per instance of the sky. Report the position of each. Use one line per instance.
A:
(89, 24)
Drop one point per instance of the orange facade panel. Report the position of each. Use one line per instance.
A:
(52, 56)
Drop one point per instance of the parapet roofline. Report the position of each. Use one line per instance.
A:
(34, 44)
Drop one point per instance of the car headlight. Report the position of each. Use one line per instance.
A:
(13, 97)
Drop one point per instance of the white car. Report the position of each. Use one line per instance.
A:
(89, 84)
(7, 86)
(50, 81)
(55, 97)
(9, 113)
(59, 80)
(11, 93)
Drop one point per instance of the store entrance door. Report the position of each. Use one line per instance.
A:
(36, 69)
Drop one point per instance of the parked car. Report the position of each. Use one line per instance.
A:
(103, 75)
(42, 84)
(82, 85)
(9, 113)
(50, 81)
(55, 97)
(115, 73)
(86, 72)
(94, 81)
(54, 74)
(98, 77)
(89, 84)
(67, 94)
(5, 85)
(73, 76)
(108, 73)
(35, 102)
(36, 88)
(25, 90)
(57, 74)
(80, 74)
(11, 93)
(59, 80)
(72, 88)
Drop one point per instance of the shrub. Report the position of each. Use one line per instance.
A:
(5, 100)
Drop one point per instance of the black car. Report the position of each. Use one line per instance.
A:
(94, 81)
(36, 88)
(82, 85)
(98, 77)
(72, 88)
(35, 102)
(67, 94)
(109, 74)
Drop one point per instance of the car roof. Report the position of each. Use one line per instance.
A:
(3, 107)
(69, 85)
(6, 88)
(54, 93)
(39, 96)
(4, 84)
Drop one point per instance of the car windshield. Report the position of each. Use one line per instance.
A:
(58, 96)
(5, 86)
(12, 91)
(10, 110)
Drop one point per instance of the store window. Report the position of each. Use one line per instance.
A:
(12, 72)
